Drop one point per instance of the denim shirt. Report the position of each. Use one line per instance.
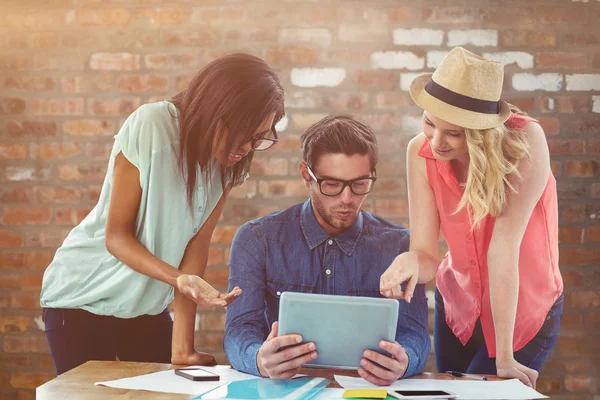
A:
(290, 251)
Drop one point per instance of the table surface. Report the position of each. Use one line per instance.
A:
(78, 383)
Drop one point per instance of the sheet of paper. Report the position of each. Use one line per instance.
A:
(329, 394)
(168, 382)
(511, 389)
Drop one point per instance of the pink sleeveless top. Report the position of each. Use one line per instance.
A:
(462, 277)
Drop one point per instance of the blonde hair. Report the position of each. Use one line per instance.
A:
(494, 154)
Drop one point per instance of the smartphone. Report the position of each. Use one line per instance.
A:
(420, 394)
(197, 374)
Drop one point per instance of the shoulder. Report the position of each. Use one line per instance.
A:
(383, 231)
(160, 114)
(416, 144)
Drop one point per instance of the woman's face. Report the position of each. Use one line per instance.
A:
(447, 140)
(240, 151)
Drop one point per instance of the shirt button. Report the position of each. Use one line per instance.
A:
(200, 208)
(330, 242)
(278, 293)
(195, 230)
(328, 272)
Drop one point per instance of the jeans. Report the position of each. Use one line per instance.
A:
(76, 336)
(451, 355)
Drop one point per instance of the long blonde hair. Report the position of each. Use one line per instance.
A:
(494, 154)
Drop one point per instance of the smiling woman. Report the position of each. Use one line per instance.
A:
(146, 241)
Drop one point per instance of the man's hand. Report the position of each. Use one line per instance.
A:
(273, 363)
(194, 358)
(389, 370)
(203, 293)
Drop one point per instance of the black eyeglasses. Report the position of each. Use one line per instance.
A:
(262, 142)
(333, 187)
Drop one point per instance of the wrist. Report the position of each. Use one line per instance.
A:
(260, 368)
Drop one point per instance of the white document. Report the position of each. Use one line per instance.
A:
(168, 382)
(511, 389)
(329, 394)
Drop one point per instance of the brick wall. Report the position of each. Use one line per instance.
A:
(72, 70)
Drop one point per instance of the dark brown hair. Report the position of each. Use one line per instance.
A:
(241, 91)
(338, 134)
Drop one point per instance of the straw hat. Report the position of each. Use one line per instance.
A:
(464, 90)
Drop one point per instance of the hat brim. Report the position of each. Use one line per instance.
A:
(454, 115)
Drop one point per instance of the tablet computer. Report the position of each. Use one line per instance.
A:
(342, 327)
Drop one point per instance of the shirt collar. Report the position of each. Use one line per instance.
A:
(315, 235)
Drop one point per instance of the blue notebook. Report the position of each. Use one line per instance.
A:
(303, 388)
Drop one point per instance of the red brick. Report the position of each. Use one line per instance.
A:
(576, 383)
(595, 191)
(48, 239)
(217, 277)
(526, 38)
(558, 60)
(25, 300)
(556, 15)
(10, 323)
(212, 321)
(44, 61)
(115, 107)
(566, 146)
(70, 216)
(35, 19)
(29, 380)
(507, 16)
(290, 56)
(592, 234)
(81, 172)
(143, 83)
(404, 14)
(363, 33)
(392, 100)
(223, 234)
(573, 278)
(585, 124)
(34, 40)
(169, 61)
(73, 106)
(379, 79)
(269, 166)
(12, 151)
(282, 188)
(548, 384)
(391, 208)
(32, 281)
(571, 321)
(29, 259)
(58, 194)
(346, 102)
(165, 16)
(14, 62)
(215, 256)
(451, 15)
(35, 83)
(220, 16)
(26, 216)
(595, 62)
(570, 235)
(579, 256)
(577, 212)
(390, 187)
(188, 38)
(570, 105)
(19, 174)
(579, 39)
(593, 147)
(380, 121)
(583, 299)
(115, 61)
(30, 128)
(550, 125)
(526, 104)
(182, 82)
(354, 56)
(582, 168)
(89, 127)
(10, 281)
(210, 342)
(572, 347)
(98, 152)
(12, 106)
(15, 195)
(99, 82)
(49, 151)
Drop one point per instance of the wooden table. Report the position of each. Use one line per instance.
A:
(78, 383)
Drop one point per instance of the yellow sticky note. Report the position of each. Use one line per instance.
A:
(365, 393)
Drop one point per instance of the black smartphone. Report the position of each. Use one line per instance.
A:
(197, 374)
(416, 394)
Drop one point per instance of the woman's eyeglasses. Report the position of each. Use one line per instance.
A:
(264, 141)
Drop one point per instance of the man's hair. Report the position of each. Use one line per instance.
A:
(338, 134)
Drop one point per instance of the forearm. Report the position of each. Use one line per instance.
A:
(127, 249)
(504, 292)
(428, 266)
(241, 345)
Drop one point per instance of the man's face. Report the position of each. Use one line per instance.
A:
(336, 213)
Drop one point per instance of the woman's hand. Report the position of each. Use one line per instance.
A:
(193, 358)
(203, 293)
(405, 268)
(510, 368)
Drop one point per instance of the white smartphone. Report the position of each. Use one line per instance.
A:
(420, 394)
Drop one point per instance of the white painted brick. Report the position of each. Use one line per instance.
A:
(397, 60)
(475, 37)
(522, 59)
(551, 104)
(314, 77)
(596, 106)
(319, 36)
(434, 58)
(418, 37)
(407, 78)
(282, 124)
(529, 82)
(583, 82)
(412, 124)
